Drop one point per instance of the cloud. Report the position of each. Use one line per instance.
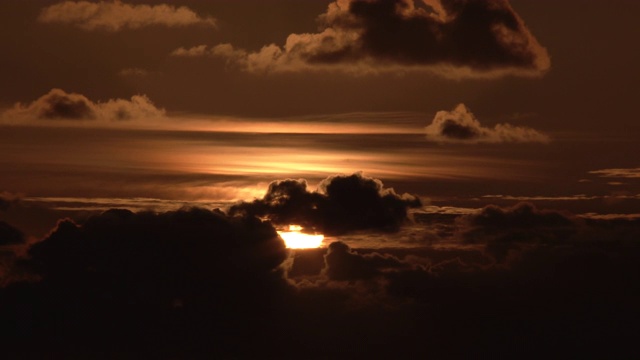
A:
(153, 246)
(117, 15)
(8, 200)
(451, 38)
(60, 105)
(460, 125)
(342, 263)
(134, 72)
(9, 235)
(341, 204)
(505, 229)
(623, 173)
(166, 284)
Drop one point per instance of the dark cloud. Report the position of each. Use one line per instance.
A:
(341, 204)
(156, 277)
(58, 104)
(504, 229)
(173, 245)
(342, 263)
(198, 283)
(460, 125)
(9, 235)
(8, 200)
(454, 38)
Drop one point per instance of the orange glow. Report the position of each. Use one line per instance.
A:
(296, 239)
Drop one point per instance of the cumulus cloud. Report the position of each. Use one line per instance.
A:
(117, 15)
(341, 204)
(153, 246)
(452, 38)
(58, 104)
(460, 125)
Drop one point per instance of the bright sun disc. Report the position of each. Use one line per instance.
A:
(295, 239)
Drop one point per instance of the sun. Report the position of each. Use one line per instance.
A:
(296, 239)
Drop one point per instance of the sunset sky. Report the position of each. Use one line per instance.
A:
(441, 146)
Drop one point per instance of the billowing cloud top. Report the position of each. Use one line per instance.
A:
(58, 104)
(116, 15)
(460, 125)
(341, 204)
(454, 38)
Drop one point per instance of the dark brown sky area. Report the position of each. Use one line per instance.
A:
(471, 164)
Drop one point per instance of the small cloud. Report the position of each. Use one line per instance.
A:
(625, 173)
(60, 105)
(117, 15)
(133, 72)
(460, 125)
(453, 39)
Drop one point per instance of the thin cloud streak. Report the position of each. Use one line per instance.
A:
(628, 173)
(117, 15)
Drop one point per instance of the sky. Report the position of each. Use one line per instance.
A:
(468, 162)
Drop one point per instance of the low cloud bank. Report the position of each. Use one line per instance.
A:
(197, 282)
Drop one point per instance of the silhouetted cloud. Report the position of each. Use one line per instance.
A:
(460, 125)
(168, 245)
(7, 200)
(341, 204)
(9, 235)
(195, 283)
(58, 104)
(505, 229)
(117, 15)
(342, 263)
(453, 38)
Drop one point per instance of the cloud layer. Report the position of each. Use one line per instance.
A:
(341, 204)
(453, 38)
(197, 282)
(460, 125)
(58, 104)
(117, 15)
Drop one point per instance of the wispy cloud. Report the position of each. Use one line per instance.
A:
(455, 39)
(623, 173)
(460, 125)
(117, 15)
